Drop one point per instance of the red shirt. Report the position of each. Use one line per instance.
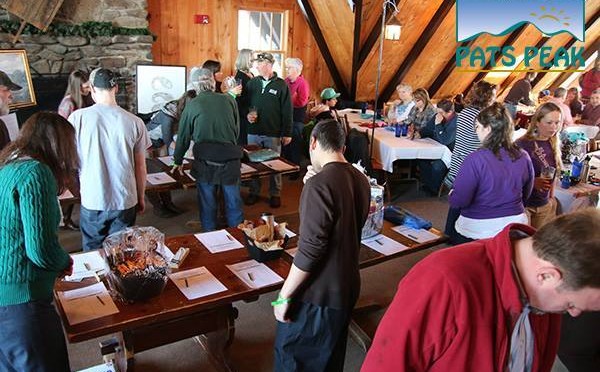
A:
(589, 82)
(299, 90)
(456, 310)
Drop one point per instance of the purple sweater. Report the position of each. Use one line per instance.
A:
(487, 187)
(538, 198)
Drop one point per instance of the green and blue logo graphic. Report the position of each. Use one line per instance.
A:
(500, 17)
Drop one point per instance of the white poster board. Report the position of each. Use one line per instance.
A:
(157, 85)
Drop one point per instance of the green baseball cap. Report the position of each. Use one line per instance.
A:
(329, 93)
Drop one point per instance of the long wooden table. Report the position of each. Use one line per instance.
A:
(210, 320)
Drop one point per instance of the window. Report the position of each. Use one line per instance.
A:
(264, 32)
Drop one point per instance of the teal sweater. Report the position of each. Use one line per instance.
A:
(210, 117)
(30, 256)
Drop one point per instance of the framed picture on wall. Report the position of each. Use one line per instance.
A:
(157, 85)
(16, 77)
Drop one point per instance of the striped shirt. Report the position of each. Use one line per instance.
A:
(466, 141)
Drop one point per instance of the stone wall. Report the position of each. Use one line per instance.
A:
(59, 55)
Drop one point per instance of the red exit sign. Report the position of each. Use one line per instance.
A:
(201, 19)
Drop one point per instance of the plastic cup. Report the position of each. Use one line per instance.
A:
(548, 173)
(398, 130)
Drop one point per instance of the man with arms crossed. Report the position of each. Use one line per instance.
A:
(315, 304)
(112, 144)
(493, 304)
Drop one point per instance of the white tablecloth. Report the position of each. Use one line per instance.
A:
(576, 197)
(389, 148)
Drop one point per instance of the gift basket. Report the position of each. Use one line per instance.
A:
(264, 240)
(374, 223)
(574, 145)
(137, 268)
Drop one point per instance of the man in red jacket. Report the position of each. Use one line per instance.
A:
(493, 304)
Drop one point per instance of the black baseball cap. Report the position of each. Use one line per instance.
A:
(103, 78)
(5, 80)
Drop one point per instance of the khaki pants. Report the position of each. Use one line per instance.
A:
(539, 216)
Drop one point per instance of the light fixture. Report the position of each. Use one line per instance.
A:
(390, 32)
(392, 29)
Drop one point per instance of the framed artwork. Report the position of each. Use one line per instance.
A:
(157, 85)
(14, 71)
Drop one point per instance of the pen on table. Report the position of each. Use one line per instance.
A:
(412, 237)
(378, 241)
(99, 299)
(229, 237)
(251, 276)
(87, 266)
(186, 282)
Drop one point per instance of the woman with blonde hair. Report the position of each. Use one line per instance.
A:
(543, 146)
(34, 169)
(243, 63)
(422, 112)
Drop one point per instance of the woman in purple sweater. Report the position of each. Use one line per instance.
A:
(543, 146)
(494, 181)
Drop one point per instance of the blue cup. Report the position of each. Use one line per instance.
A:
(398, 129)
(404, 130)
(565, 182)
(363, 108)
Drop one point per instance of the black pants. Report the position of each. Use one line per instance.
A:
(314, 341)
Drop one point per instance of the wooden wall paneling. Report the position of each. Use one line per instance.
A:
(155, 27)
(336, 22)
(436, 54)
(414, 17)
(458, 82)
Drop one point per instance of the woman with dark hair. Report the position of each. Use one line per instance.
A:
(543, 146)
(34, 169)
(573, 100)
(243, 63)
(215, 67)
(482, 95)
(76, 96)
(493, 182)
(161, 128)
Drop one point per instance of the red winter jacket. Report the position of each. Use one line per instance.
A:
(455, 311)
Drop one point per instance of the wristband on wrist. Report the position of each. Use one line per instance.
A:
(280, 301)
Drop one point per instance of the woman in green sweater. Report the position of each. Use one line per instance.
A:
(33, 171)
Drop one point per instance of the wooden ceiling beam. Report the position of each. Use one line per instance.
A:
(356, 48)
(372, 37)
(414, 53)
(509, 80)
(311, 19)
(447, 70)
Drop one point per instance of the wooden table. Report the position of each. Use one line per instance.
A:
(210, 320)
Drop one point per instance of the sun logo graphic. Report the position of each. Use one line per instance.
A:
(501, 17)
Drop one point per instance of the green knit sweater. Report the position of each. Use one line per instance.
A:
(30, 255)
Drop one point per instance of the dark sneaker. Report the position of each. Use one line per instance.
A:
(275, 202)
(251, 199)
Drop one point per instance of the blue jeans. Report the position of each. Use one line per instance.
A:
(97, 225)
(273, 143)
(293, 150)
(432, 172)
(207, 205)
(315, 339)
(31, 338)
